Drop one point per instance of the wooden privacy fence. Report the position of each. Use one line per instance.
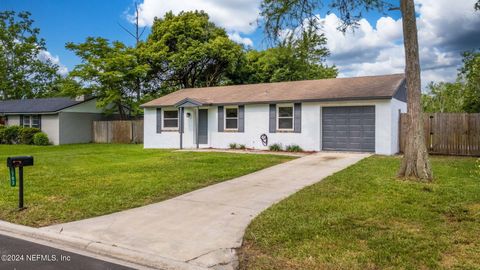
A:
(448, 133)
(130, 131)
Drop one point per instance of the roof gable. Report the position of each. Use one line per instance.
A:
(188, 102)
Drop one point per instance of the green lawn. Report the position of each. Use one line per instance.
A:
(74, 182)
(364, 218)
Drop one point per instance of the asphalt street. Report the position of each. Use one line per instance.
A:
(18, 254)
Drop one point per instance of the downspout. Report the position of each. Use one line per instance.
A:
(197, 125)
(182, 110)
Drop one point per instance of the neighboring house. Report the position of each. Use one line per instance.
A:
(343, 114)
(64, 120)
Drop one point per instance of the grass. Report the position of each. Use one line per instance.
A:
(74, 182)
(365, 218)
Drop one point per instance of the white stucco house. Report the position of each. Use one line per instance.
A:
(342, 114)
(64, 120)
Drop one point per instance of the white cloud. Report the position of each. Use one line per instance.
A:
(236, 16)
(444, 23)
(444, 32)
(445, 29)
(47, 56)
(239, 39)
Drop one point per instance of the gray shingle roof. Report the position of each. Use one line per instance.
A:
(39, 105)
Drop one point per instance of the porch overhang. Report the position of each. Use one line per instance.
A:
(189, 103)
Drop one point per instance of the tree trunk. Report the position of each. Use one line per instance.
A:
(415, 163)
(121, 111)
(138, 89)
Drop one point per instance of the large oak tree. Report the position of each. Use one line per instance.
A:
(188, 50)
(279, 15)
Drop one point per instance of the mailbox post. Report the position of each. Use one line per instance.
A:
(18, 162)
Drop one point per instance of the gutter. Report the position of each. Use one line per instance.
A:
(29, 113)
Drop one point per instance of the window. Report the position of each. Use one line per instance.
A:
(285, 117)
(170, 119)
(26, 121)
(30, 121)
(231, 118)
(35, 121)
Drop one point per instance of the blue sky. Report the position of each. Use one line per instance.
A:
(65, 21)
(374, 48)
(73, 21)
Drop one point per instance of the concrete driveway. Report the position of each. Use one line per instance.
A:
(203, 228)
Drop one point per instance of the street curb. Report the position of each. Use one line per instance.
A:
(115, 252)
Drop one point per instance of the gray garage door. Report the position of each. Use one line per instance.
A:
(348, 128)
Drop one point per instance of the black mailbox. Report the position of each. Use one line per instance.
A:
(12, 164)
(23, 161)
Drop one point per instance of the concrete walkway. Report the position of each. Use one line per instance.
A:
(201, 229)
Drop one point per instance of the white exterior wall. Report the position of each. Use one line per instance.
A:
(397, 107)
(257, 123)
(151, 139)
(13, 120)
(190, 129)
(51, 126)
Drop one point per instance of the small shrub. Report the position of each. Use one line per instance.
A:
(242, 146)
(233, 146)
(26, 134)
(275, 147)
(2, 134)
(40, 138)
(293, 148)
(10, 134)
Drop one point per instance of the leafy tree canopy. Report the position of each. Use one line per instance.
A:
(460, 96)
(187, 50)
(298, 57)
(23, 72)
(444, 97)
(470, 75)
(109, 71)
